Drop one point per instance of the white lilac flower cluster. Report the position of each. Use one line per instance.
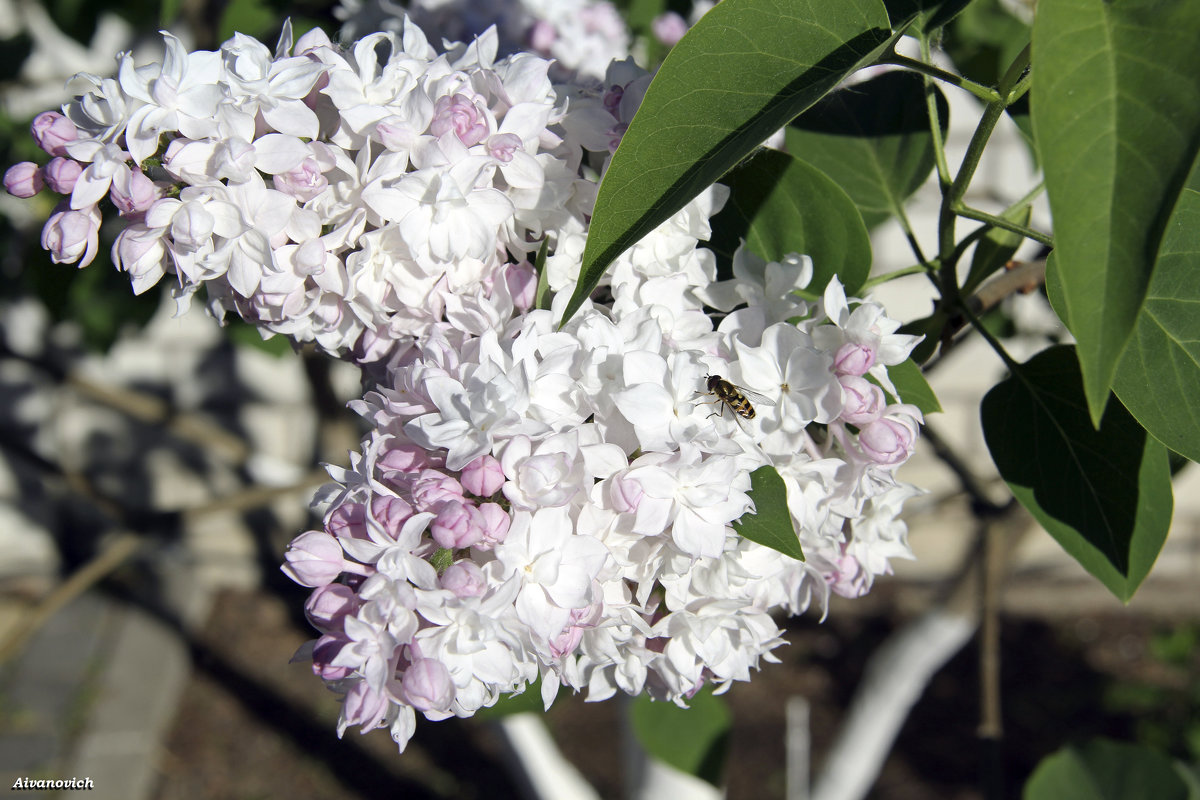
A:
(536, 502)
(532, 501)
(582, 36)
(351, 198)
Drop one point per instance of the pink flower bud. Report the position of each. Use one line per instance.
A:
(483, 477)
(457, 525)
(522, 284)
(432, 488)
(303, 182)
(328, 605)
(669, 28)
(141, 255)
(853, 359)
(61, 174)
(324, 652)
(348, 521)
(403, 458)
(459, 114)
(427, 685)
(864, 400)
(495, 522)
(390, 513)
(314, 559)
(886, 441)
(503, 145)
(542, 36)
(566, 642)
(52, 132)
(464, 578)
(364, 707)
(850, 579)
(192, 226)
(71, 236)
(133, 193)
(24, 179)
(625, 494)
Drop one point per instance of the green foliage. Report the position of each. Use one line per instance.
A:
(994, 249)
(743, 71)
(694, 739)
(1106, 770)
(874, 139)
(913, 388)
(1158, 378)
(771, 524)
(1116, 115)
(1104, 495)
(780, 205)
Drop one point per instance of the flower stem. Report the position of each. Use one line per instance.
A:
(984, 93)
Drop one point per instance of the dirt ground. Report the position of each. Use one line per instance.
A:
(251, 725)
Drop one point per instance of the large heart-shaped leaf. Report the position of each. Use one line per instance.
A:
(1158, 379)
(694, 739)
(780, 205)
(1105, 494)
(771, 524)
(874, 139)
(1106, 770)
(743, 71)
(1116, 115)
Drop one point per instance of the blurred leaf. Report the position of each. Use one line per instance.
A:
(1105, 770)
(251, 17)
(528, 700)
(995, 249)
(931, 328)
(694, 740)
(984, 39)
(168, 11)
(542, 297)
(873, 139)
(1116, 115)
(781, 205)
(743, 71)
(926, 15)
(246, 335)
(1158, 378)
(912, 386)
(1104, 495)
(771, 524)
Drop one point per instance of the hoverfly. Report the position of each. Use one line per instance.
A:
(733, 396)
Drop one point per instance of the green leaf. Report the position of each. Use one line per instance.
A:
(694, 740)
(1116, 115)
(771, 524)
(984, 39)
(927, 15)
(912, 386)
(251, 17)
(874, 139)
(528, 700)
(168, 11)
(246, 335)
(781, 205)
(931, 327)
(542, 297)
(1105, 494)
(743, 71)
(1158, 379)
(1105, 770)
(995, 249)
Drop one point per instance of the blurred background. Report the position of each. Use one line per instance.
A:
(153, 467)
